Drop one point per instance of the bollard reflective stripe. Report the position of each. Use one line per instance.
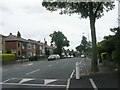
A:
(77, 70)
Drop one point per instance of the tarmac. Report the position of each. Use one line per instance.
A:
(106, 78)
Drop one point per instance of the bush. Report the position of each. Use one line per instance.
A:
(114, 56)
(7, 57)
(104, 56)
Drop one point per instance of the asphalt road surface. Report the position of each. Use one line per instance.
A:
(39, 74)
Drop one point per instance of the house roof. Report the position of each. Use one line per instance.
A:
(33, 41)
(49, 47)
(2, 35)
(15, 38)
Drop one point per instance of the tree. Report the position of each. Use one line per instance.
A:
(93, 10)
(84, 47)
(116, 39)
(107, 45)
(60, 41)
(8, 51)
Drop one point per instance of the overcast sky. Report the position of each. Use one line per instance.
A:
(35, 22)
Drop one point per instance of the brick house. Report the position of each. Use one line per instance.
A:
(16, 44)
(2, 44)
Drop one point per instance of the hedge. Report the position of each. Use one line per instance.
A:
(114, 56)
(7, 57)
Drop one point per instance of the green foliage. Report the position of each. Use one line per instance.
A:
(84, 47)
(104, 56)
(107, 45)
(116, 39)
(114, 56)
(8, 51)
(7, 57)
(81, 8)
(111, 45)
(60, 41)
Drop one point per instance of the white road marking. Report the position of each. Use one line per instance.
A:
(81, 61)
(68, 82)
(72, 74)
(86, 68)
(33, 72)
(25, 80)
(30, 64)
(46, 81)
(34, 85)
(93, 84)
(6, 80)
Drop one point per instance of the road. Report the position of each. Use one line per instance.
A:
(39, 74)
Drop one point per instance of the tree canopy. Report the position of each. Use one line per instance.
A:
(60, 40)
(110, 45)
(81, 8)
(84, 47)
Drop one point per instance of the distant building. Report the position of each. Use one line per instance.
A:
(42, 48)
(2, 44)
(48, 49)
(16, 44)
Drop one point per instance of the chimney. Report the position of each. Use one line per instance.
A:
(51, 45)
(10, 33)
(45, 42)
(18, 35)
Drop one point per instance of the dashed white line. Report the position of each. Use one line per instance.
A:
(33, 72)
(29, 64)
(93, 84)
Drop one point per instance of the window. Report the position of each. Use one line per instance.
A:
(34, 46)
(18, 52)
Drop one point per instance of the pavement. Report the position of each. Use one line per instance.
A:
(105, 78)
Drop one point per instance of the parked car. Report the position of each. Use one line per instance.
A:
(82, 56)
(57, 56)
(63, 57)
(53, 57)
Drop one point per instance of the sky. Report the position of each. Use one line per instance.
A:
(35, 22)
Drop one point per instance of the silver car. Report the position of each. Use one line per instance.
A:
(53, 57)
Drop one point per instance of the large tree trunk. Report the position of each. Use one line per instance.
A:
(94, 66)
(92, 17)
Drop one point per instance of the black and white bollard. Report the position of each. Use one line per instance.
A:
(77, 70)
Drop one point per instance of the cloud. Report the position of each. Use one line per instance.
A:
(3, 8)
(33, 9)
